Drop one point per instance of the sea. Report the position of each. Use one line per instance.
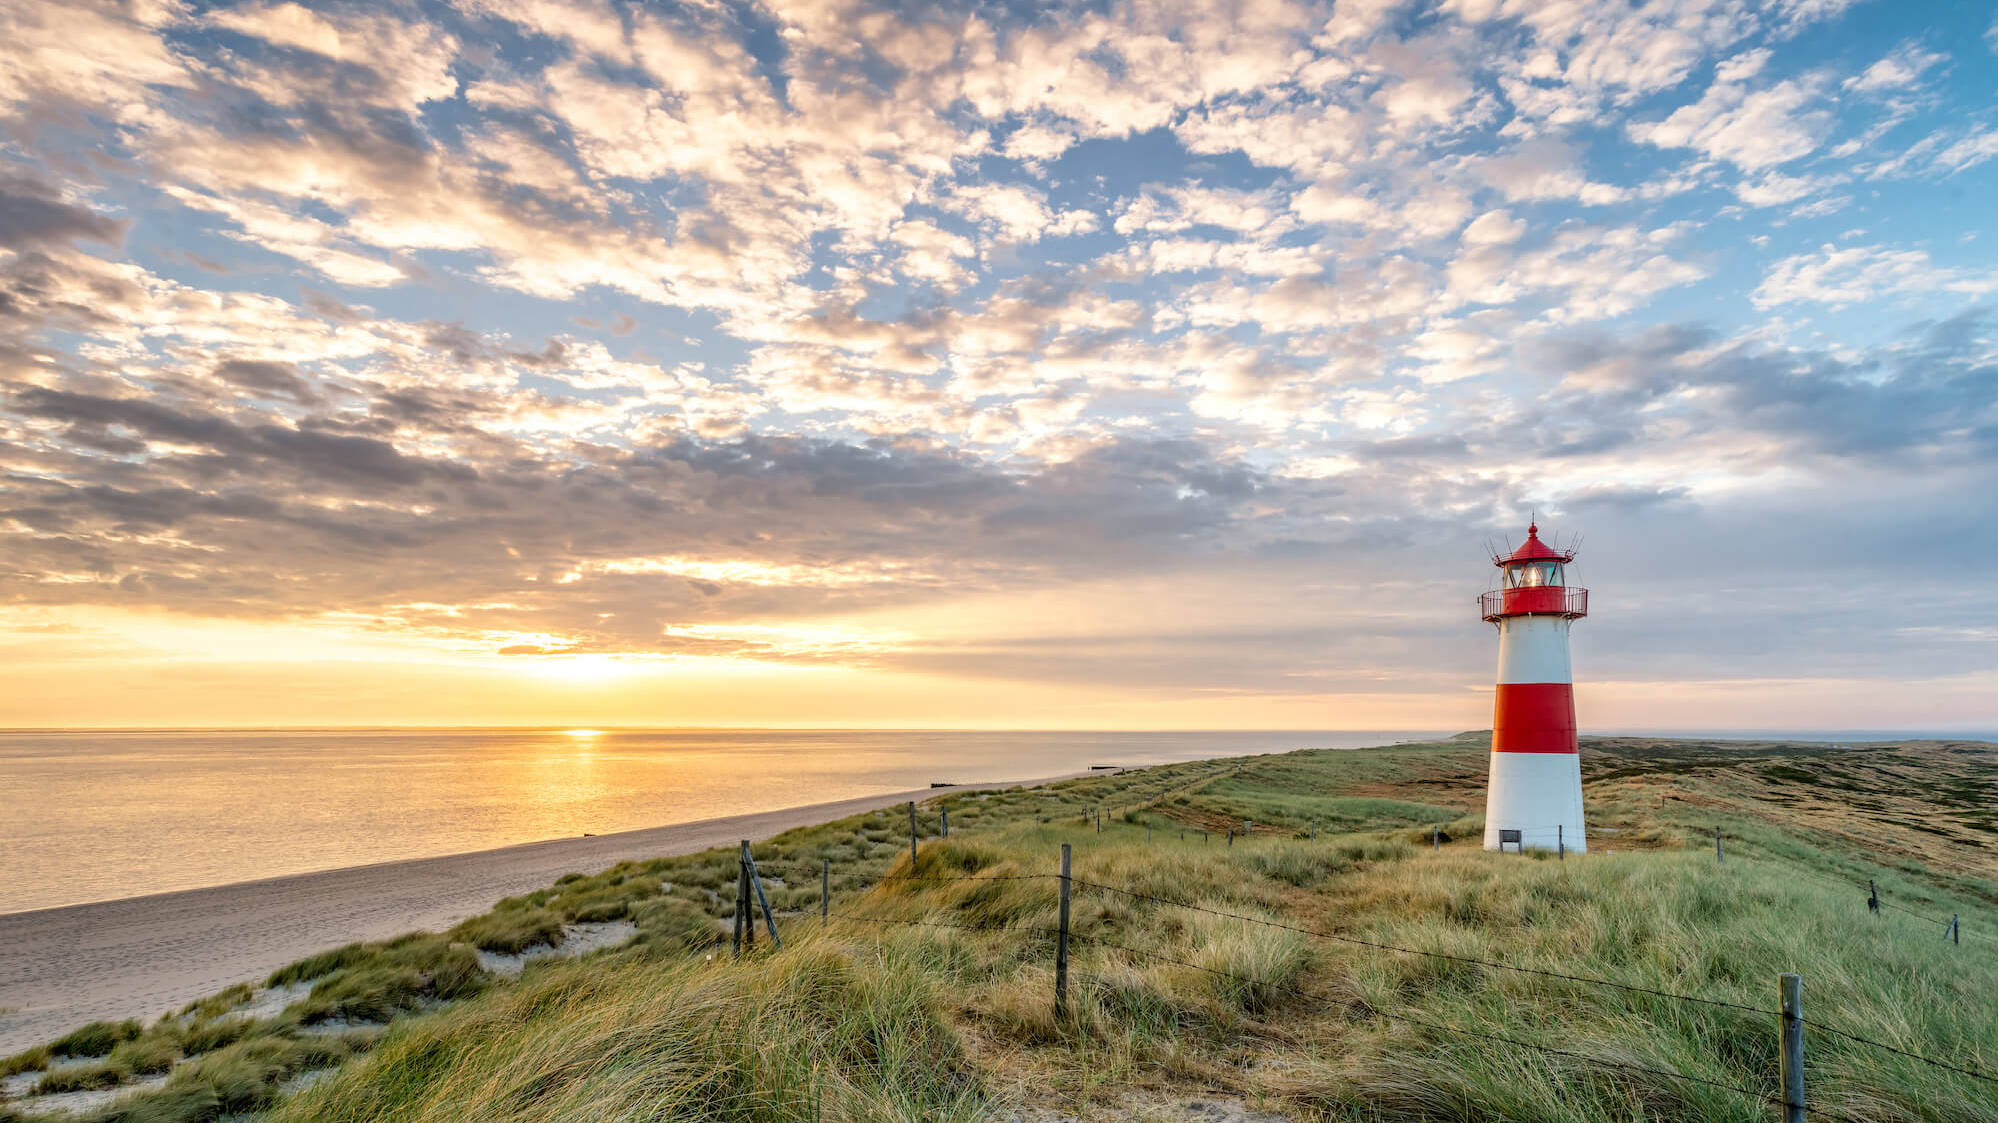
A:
(102, 815)
(96, 815)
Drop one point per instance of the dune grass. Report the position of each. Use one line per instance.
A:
(96, 1039)
(933, 1000)
(862, 1020)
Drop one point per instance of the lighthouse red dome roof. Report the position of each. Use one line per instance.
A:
(1533, 549)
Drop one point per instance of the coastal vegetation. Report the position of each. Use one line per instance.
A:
(1260, 970)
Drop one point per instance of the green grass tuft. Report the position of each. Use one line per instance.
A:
(96, 1039)
(510, 931)
(27, 1060)
(83, 1078)
(155, 1052)
(317, 966)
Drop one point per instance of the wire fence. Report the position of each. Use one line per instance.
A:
(1460, 1031)
(1513, 967)
(1040, 929)
(1951, 925)
(1355, 940)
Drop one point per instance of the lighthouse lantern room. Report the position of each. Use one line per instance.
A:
(1536, 769)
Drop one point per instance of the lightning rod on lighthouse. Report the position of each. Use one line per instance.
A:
(1536, 769)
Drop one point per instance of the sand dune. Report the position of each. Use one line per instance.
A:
(144, 956)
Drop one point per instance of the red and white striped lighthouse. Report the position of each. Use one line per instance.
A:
(1536, 776)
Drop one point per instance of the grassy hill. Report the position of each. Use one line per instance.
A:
(1260, 970)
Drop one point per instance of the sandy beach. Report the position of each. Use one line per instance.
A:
(145, 956)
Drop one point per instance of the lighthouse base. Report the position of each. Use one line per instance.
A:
(1540, 796)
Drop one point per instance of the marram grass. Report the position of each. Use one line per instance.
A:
(934, 1000)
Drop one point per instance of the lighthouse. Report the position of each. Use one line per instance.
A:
(1536, 772)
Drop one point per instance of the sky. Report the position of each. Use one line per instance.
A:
(1106, 365)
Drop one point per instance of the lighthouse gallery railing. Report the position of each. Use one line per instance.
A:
(1542, 600)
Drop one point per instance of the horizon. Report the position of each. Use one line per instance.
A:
(1665, 734)
(1108, 367)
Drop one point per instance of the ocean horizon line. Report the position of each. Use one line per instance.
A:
(1868, 733)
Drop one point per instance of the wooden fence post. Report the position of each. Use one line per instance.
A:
(912, 836)
(1718, 856)
(1561, 840)
(946, 822)
(1955, 933)
(1436, 838)
(1061, 945)
(741, 904)
(825, 889)
(762, 901)
(1792, 987)
(742, 895)
(1872, 897)
(1231, 836)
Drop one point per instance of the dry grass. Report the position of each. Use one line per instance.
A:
(945, 1011)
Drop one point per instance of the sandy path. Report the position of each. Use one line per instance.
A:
(144, 956)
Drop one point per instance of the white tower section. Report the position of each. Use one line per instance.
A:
(1536, 766)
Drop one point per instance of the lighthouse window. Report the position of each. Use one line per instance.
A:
(1533, 575)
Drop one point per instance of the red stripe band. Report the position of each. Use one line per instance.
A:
(1534, 717)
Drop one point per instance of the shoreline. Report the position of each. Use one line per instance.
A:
(141, 957)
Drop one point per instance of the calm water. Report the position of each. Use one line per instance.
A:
(93, 816)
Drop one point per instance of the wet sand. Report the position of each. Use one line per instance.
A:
(145, 956)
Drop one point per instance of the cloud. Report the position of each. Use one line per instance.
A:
(385, 60)
(1841, 276)
(1773, 188)
(1494, 228)
(1545, 168)
(1968, 152)
(1752, 129)
(1900, 69)
(93, 56)
(569, 326)
(34, 216)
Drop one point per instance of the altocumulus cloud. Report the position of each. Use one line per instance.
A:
(633, 328)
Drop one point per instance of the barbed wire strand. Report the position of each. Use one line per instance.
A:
(1407, 1018)
(1377, 945)
(1037, 929)
(1442, 1027)
(1835, 1031)
(1431, 954)
(1550, 974)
